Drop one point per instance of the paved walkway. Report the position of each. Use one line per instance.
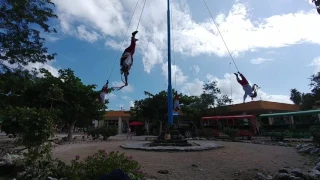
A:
(124, 137)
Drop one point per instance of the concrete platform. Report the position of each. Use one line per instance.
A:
(197, 146)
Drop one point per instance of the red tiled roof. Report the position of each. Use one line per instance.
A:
(117, 114)
(262, 105)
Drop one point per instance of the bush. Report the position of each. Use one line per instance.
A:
(39, 164)
(315, 132)
(93, 132)
(140, 130)
(231, 132)
(106, 132)
(32, 126)
(93, 167)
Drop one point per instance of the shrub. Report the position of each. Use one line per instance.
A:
(93, 132)
(140, 130)
(32, 126)
(231, 132)
(315, 132)
(40, 165)
(101, 163)
(106, 132)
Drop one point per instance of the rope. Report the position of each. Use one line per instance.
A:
(141, 14)
(124, 38)
(122, 78)
(221, 35)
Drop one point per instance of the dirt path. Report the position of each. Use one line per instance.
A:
(234, 161)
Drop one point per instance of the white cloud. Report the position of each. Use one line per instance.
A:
(103, 16)
(316, 64)
(259, 60)
(193, 88)
(229, 86)
(126, 98)
(310, 2)
(50, 38)
(176, 73)
(129, 101)
(113, 44)
(131, 104)
(86, 35)
(111, 96)
(195, 69)
(272, 52)
(30, 66)
(241, 32)
(125, 89)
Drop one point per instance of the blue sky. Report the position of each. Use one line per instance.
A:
(275, 45)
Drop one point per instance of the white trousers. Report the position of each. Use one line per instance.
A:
(128, 60)
(103, 95)
(247, 92)
(176, 104)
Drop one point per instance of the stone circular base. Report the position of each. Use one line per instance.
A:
(197, 146)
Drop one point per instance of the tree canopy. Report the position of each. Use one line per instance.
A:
(81, 105)
(155, 106)
(73, 102)
(33, 101)
(21, 23)
(307, 100)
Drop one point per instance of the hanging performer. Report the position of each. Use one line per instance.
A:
(248, 90)
(127, 58)
(176, 104)
(104, 91)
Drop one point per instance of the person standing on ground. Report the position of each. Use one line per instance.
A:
(129, 133)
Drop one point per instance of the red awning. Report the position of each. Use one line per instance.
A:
(136, 123)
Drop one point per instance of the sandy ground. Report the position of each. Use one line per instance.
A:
(234, 161)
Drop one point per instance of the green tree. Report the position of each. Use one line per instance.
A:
(66, 96)
(212, 97)
(155, 106)
(20, 25)
(304, 100)
(25, 97)
(23, 88)
(13, 84)
(25, 102)
(315, 85)
(81, 105)
(33, 126)
(296, 96)
(307, 100)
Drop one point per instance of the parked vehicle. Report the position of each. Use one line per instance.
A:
(244, 123)
(297, 124)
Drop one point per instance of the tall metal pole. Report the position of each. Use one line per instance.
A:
(170, 101)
